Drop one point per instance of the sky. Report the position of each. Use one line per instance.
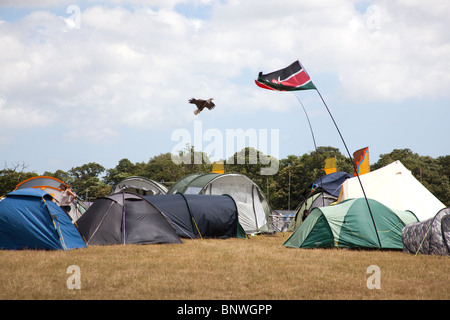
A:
(100, 81)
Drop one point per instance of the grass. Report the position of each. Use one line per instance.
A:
(253, 269)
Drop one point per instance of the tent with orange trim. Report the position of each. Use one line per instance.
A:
(51, 185)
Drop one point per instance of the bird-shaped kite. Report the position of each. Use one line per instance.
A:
(201, 104)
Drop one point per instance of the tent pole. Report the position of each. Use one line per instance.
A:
(314, 141)
(123, 217)
(353, 163)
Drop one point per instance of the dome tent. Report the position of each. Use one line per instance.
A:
(253, 208)
(51, 185)
(139, 185)
(321, 193)
(431, 236)
(30, 219)
(125, 218)
(349, 225)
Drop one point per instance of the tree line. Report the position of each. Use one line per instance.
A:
(285, 189)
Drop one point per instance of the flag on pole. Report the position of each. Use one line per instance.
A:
(218, 167)
(330, 165)
(294, 77)
(361, 157)
(291, 78)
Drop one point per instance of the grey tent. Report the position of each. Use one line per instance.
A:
(125, 218)
(431, 236)
(139, 185)
(253, 208)
(200, 216)
(321, 193)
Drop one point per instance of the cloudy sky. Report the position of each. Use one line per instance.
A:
(99, 81)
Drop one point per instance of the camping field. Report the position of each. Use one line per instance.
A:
(239, 269)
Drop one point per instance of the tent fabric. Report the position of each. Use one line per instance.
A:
(332, 182)
(431, 236)
(200, 216)
(253, 208)
(395, 187)
(51, 186)
(139, 185)
(321, 199)
(350, 225)
(176, 209)
(181, 185)
(40, 181)
(321, 193)
(30, 219)
(125, 218)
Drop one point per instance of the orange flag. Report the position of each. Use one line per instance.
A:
(218, 167)
(330, 165)
(361, 157)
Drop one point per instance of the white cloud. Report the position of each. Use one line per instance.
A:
(137, 67)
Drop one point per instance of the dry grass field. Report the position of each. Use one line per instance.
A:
(258, 268)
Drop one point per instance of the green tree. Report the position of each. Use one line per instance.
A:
(124, 169)
(192, 161)
(432, 173)
(61, 175)
(287, 187)
(86, 182)
(297, 173)
(252, 163)
(161, 168)
(11, 176)
(288, 184)
(166, 168)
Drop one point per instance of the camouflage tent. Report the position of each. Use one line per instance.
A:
(431, 236)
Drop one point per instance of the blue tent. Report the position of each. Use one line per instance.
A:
(332, 182)
(29, 219)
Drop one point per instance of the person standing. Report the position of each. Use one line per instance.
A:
(67, 196)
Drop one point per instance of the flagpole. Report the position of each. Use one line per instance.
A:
(353, 163)
(305, 86)
(307, 118)
(314, 141)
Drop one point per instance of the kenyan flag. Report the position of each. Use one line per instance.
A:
(291, 78)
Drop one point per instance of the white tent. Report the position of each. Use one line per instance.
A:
(395, 187)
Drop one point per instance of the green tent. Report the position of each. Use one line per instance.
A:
(316, 200)
(349, 225)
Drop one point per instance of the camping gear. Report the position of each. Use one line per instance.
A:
(281, 219)
(52, 186)
(125, 218)
(139, 185)
(30, 219)
(349, 225)
(322, 192)
(431, 236)
(253, 208)
(395, 187)
(200, 216)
